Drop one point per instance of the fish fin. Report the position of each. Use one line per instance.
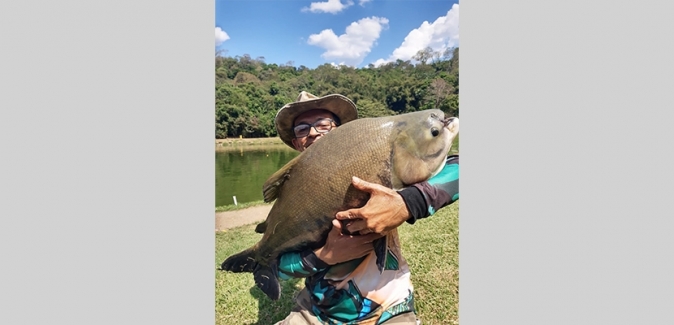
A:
(380, 251)
(391, 262)
(261, 227)
(266, 279)
(241, 262)
(271, 187)
(387, 250)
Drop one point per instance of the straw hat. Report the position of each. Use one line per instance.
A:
(339, 105)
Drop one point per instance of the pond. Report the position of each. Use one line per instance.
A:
(242, 171)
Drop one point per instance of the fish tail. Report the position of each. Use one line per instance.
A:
(241, 262)
(266, 279)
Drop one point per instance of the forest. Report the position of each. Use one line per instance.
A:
(249, 92)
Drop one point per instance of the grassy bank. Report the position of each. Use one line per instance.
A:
(243, 143)
(430, 247)
(240, 206)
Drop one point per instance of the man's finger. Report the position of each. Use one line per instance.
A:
(366, 186)
(366, 231)
(348, 214)
(356, 226)
(370, 231)
(336, 224)
(361, 184)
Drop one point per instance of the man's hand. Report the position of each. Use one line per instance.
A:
(383, 212)
(340, 248)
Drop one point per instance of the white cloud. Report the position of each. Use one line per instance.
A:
(331, 6)
(353, 46)
(363, 2)
(220, 36)
(379, 62)
(439, 35)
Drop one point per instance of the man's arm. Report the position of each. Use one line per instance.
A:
(338, 248)
(424, 199)
(387, 209)
(300, 265)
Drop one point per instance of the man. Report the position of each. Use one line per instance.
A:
(343, 284)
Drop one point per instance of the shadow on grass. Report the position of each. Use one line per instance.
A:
(270, 311)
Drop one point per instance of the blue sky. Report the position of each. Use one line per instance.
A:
(351, 32)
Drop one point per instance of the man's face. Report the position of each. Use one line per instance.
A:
(310, 117)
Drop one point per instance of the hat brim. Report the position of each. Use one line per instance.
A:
(339, 105)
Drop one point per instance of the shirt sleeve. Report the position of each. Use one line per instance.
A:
(300, 265)
(424, 199)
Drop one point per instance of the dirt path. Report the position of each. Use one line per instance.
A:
(232, 219)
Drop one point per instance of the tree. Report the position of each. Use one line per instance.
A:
(438, 91)
(245, 77)
(424, 55)
(249, 92)
(370, 108)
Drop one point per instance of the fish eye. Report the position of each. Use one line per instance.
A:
(435, 132)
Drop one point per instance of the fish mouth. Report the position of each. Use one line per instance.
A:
(448, 120)
(451, 124)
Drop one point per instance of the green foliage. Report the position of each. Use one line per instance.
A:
(370, 108)
(249, 92)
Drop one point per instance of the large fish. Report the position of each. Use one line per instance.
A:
(394, 151)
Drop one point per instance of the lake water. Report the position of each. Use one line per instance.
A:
(242, 172)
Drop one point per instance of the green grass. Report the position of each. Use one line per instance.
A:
(240, 206)
(431, 247)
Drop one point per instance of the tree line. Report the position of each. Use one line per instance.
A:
(249, 92)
